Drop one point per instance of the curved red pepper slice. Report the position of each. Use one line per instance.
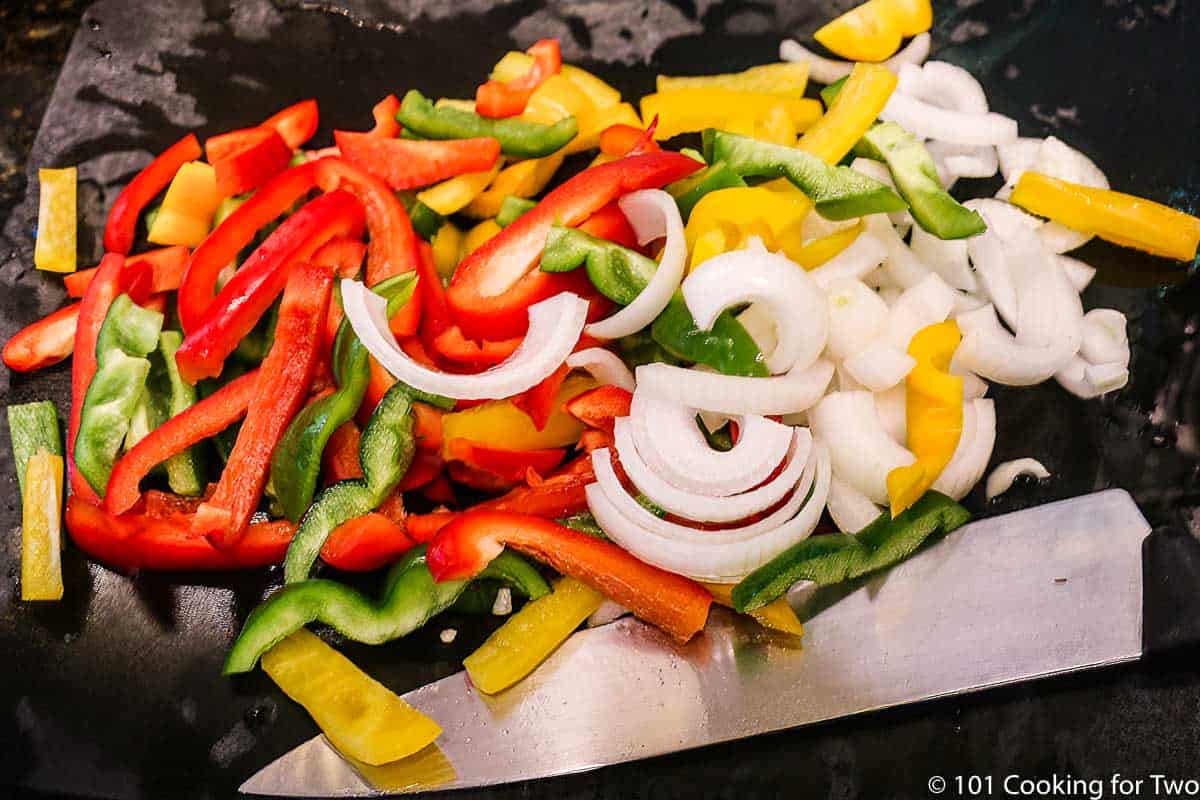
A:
(510, 465)
(426, 466)
(43, 343)
(365, 543)
(121, 227)
(629, 140)
(384, 113)
(493, 287)
(599, 408)
(496, 99)
(167, 265)
(296, 124)
(538, 402)
(246, 159)
(409, 163)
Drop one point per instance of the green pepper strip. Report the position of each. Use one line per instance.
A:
(837, 192)
(128, 335)
(410, 598)
(33, 427)
(917, 179)
(830, 92)
(296, 462)
(688, 191)
(832, 558)
(187, 471)
(617, 273)
(517, 137)
(511, 209)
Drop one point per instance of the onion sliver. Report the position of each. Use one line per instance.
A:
(1104, 337)
(554, 328)
(828, 70)
(705, 508)
(904, 268)
(1087, 381)
(945, 85)
(863, 255)
(991, 267)
(929, 302)
(1001, 478)
(861, 451)
(603, 365)
(965, 160)
(753, 275)
(992, 352)
(891, 406)
(930, 122)
(857, 317)
(880, 367)
(793, 391)
(974, 450)
(851, 509)
(1078, 273)
(947, 257)
(653, 215)
(759, 323)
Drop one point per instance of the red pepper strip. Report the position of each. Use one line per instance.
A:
(560, 495)
(43, 343)
(340, 462)
(439, 490)
(247, 158)
(344, 257)
(252, 290)
(381, 380)
(384, 113)
(509, 465)
(628, 140)
(496, 99)
(206, 418)
(538, 402)
(673, 603)
(426, 466)
(410, 163)
(365, 543)
(427, 426)
(452, 345)
(280, 390)
(611, 223)
(593, 440)
(197, 291)
(423, 527)
(166, 270)
(481, 480)
(600, 407)
(121, 228)
(494, 286)
(296, 124)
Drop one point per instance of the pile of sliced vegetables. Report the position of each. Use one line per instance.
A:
(652, 379)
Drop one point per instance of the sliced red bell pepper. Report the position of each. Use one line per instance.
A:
(628, 140)
(482, 480)
(497, 99)
(282, 385)
(426, 466)
(508, 465)
(477, 356)
(538, 402)
(344, 257)
(494, 286)
(593, 440)
(340, 462)
(560, 495)
(611, 223)
(423, 527)
(427, 426)
(43, 343)
(206, 418)
(252, 290)
(365, 543)
(410, 163)
(121, 227)
(677, 605)
(381, 380)
(167, 265)
(296, 124)
(439, 490)
(384, 113)
(600, 407)
(246, 159)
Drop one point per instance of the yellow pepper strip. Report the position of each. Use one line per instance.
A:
(769, 212)
(934, 400)
(447, 243)
(863, 96)
(1114, 216)
(451, 102)
(818, 251)
(57, 220)
(531, 635)
(359, 716)
(591, 125)
(688, 110)
(475, 238)
(41, 528)
(872, 31)
(451, 196)
(522, 179)
(555, 99)
(501, 424)
(187, 209)
(913, 16)
(776, 616)
(777, 127)
(743, 126)
(515, 64)
(787, 79)
(422, 771)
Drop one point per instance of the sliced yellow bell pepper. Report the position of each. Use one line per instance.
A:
(688, 110)
(743, 126)
(451, 196)
(787, 79)
(873, 30)
(187, 210)
(58, 222)
(818, 251)
(776, 616)
(555, 99)
(501, 424)
(934, 400)
(422, 771)
(447, 243)
(531, 635)
(770, 212)
(522, 179)
(359, 716)
(913, 16)
(475, 238)
(41, 528)
(862, 97)
(453, 102)
(593, 124)
(1114, 216)
(515, 64)
(777, 127)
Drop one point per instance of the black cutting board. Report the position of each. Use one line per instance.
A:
(116, 691)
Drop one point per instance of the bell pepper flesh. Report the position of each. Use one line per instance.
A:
(32, 428)
(872, 31)
(500, 424)
(787, 79)
(41, 527)
(776, 615)
(673, 603)
(509, 465)
(167, 265)
(813, 254)
(595, 121)
(862, 97)
(408, 163)
(1113, 216)
(253, 158)
(187, 209)
(43, 343)
(57, 225)
(689, 191)
(384, 113)
(617, 273)
(690, 110)
(451, 196)
(497, 99)
(514, 64)
(540, 401)
(726, 347)
(186, 473)
(600, 407)
(511, 209)
(517, 137)
(296, 124)
(743, 212)
(121, 227)
(523, 179)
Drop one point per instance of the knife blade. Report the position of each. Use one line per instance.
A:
(1039, 592)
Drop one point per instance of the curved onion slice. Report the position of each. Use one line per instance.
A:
(992, 352)
(793, 391)
(554, 327)
(609, 612)
(705, 508)
(863, 255)
(828, 70)
(891, 406)
(974, 450)
(603, 365)
(1104, 337)
(862, 452)
(947, 257)
(759, 323)
(904, 268)
(753, 275)
(857, 317)
(877, 170)
(669, 440)
(653, 215)
(719, 556)
(1001, 478)
(1016, 157)
(945, 85)
(930, 122)
(1078, 273)
(880, 367)
(1087, 381)
(964, 160)
(929, 302)
(851, 509)
(991, 266)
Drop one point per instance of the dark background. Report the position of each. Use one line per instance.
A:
(116, 691)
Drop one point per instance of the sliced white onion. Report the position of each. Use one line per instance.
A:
(863, 255)
(653, 214)
(814, 226)
(793, 391)
(973, 452)
(850, 509)
(705, 508)
(1078, 273)
(845, 381)
(609, 612)
(860, 449)
(878, 171)
(760, 324)
(891, 406)
(945, 85)
(992, 352)
(828, 70)
(987, 255)
(753, 275)
(554, 327)
(1088, 381)
(1004, 219)
(880, 367)
(890, 294)
(1017, 156)
(857, 317)
(927, 121)
(927, 303)
(965, 161)
(904, 268)
(947, 257)
(1104, 337)
(603, 365)
(973, 385)
(1001, 478)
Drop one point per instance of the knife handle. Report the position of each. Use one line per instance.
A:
(1170, 590)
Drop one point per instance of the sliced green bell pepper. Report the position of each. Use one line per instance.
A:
(619, 274)
(511, 209)
(830, 92)
(688, 191)
(425, 220)
(833, 558)
(33, 427)
(187, 472)
(836, 192)
(517, 137)
(726, 347)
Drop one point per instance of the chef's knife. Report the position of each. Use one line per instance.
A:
(1040, 592)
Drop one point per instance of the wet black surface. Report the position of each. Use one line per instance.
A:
(116, 692)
